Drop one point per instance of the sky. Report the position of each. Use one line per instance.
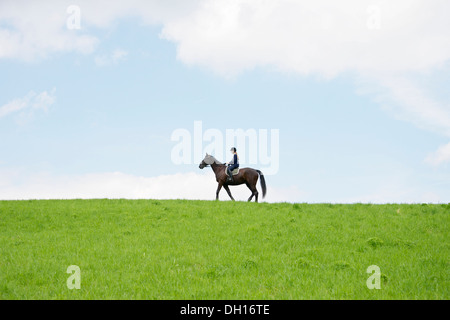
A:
(352, 97)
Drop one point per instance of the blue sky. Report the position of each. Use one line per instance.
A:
(94, 118)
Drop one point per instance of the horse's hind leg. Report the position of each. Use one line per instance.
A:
(254, 192)
(248, 186)
(228, 191)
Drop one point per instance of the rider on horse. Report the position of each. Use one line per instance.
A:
(233, 164)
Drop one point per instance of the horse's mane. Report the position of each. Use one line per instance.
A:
(214, 160)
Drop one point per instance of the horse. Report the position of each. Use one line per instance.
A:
(248, 176)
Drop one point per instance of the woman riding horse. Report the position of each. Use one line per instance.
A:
(233, 164)
(247, 176)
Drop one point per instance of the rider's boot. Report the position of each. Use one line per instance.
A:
(230, 176)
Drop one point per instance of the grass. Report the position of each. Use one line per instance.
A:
(180, 249)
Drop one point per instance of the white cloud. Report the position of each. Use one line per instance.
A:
(405, 195)
(113, 58)
(16, 184)
(313, 37)
(15, 105)
(417, 107)
(326, 38)
(308, 37)
(407, 100)
(442, 155)
(323, 38)
(320, 37)
(31, 30)
(26, 107)
(396, 189)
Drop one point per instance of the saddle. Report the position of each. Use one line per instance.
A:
(234, 172)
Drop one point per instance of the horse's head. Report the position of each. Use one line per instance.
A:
(207, 160)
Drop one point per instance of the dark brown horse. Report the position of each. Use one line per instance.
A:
(248, 176)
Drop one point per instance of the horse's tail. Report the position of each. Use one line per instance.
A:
(263, 183)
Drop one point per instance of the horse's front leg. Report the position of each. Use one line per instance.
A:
(218, 190)
(228, 191)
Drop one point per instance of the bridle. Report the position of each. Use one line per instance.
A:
(205, 164)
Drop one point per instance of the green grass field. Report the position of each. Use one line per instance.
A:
(180, 249)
